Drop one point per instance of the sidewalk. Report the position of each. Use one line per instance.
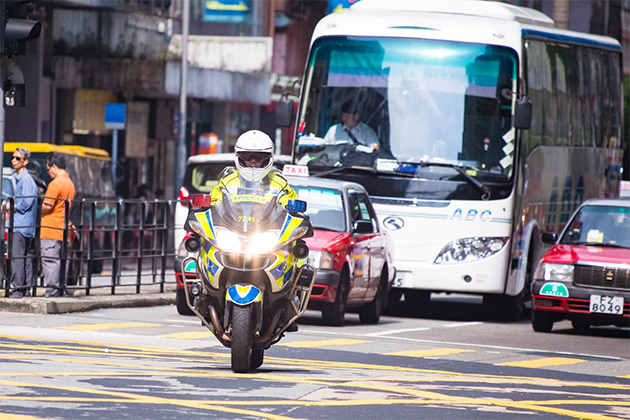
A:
(100, 297)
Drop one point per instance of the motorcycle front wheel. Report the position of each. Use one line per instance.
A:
(241, 338)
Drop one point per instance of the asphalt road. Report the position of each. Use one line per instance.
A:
(152, 363)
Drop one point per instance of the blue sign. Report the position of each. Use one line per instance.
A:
(225, 11)
(340, 5)
(115, 115)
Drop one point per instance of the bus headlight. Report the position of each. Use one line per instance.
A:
(469, 249)
(321, 259)
(555, 272)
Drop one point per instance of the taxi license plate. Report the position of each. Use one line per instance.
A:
(606, 304)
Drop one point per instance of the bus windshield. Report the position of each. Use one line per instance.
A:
(425, 110)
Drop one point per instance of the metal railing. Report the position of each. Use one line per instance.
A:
(108, 244)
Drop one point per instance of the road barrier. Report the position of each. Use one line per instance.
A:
(116, 244)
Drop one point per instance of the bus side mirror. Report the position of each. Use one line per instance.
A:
(523, 113)
(284, 112)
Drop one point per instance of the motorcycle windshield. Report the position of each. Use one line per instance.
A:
(249, 210)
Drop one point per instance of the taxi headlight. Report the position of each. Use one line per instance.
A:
(469, 249)
(555, 272)
(321, 259)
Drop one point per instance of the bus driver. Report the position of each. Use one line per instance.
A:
(353, 130)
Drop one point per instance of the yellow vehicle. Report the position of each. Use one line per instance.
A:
(89, 168)
(91, 172)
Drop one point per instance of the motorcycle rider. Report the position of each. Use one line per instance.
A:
(253, 158)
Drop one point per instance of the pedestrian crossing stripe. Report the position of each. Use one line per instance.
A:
(544, 362)
(324, 343)
(429, 352)
(96, 327)
(190, 335)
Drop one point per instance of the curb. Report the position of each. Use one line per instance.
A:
(62, 305)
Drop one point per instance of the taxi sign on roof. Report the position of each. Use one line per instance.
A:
(296, 170)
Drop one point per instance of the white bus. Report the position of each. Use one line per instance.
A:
(461, 181)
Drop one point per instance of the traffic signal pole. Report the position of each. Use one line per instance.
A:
(3, 76)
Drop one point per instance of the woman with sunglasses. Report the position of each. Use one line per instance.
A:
(253, 158)
(24, 222)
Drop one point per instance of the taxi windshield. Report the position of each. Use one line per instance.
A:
(325, 208)
(599, 225)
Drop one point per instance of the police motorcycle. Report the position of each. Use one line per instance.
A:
(253, 279)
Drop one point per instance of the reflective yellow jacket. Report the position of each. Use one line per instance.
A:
(273, 182)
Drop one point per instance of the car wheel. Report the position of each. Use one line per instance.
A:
(371, 313)
(335, 312)
(180, 302)
(542, 321)
(577, 325)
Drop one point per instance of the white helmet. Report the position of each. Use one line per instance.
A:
(256, 146)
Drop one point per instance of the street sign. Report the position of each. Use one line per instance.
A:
(115, 116)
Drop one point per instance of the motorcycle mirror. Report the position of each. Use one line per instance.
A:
(200, 201)
(298, 206)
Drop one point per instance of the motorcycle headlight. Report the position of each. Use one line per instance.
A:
(228, 241)
(263, 243)
(555, 272)
(321, 259)
(469, 249)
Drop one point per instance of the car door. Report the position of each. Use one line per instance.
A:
(375, 246)
(359, 212)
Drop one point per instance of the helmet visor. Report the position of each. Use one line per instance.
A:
(254, 159)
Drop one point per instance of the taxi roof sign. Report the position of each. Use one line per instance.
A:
(295, 170)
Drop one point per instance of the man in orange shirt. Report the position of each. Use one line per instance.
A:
(60, 190)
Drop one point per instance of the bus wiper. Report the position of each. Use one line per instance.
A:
(363, 169)
(462, 170)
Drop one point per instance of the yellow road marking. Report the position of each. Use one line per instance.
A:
(7, 416)
(423, 397)
(95, 327)
(190, 335)
(429, 352)
(624, 376)
(323, 343)
(544, 362)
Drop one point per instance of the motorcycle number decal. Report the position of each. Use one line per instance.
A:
(250, 219)
(243, 294)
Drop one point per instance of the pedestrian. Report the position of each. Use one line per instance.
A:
(24, 222)
(60, 190)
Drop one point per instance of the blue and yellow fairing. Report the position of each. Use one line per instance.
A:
(281, 269)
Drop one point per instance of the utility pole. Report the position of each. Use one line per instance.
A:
(15, 30)
(180, 167)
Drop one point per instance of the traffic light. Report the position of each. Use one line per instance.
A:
(16, 29)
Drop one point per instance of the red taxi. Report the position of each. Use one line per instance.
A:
(585, 276)
(349, 250)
